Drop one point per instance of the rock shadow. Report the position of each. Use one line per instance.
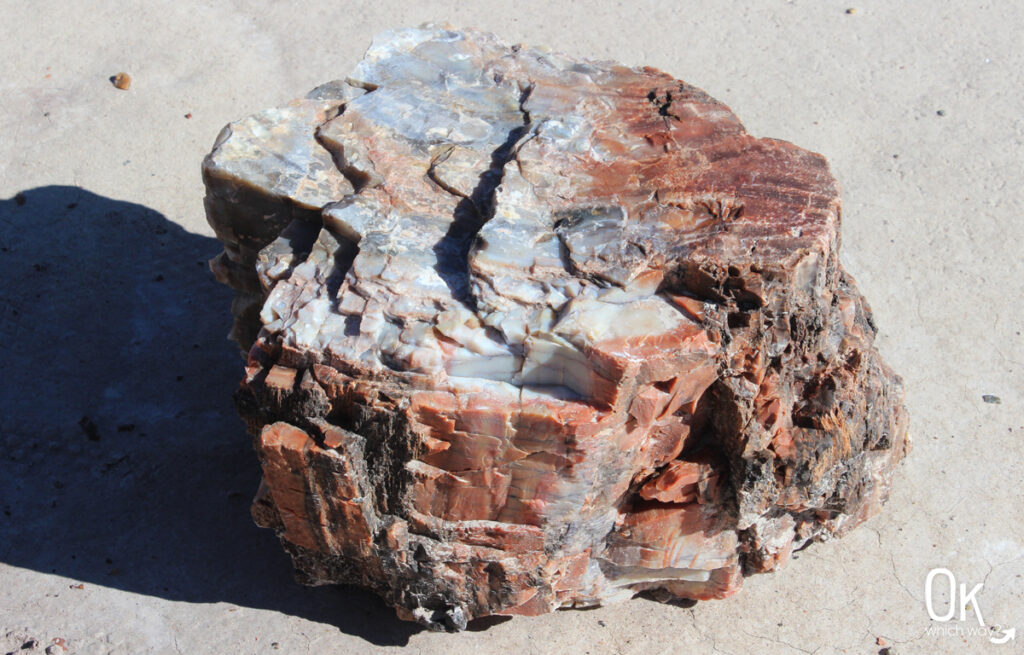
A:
(124, 464)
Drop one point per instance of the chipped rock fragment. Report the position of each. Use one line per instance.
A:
(526, 332)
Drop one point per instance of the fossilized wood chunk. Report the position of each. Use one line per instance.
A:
(528, 332)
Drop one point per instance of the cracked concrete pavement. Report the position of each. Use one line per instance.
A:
(126, 475)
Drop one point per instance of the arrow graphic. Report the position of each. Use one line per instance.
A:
(1008, 634)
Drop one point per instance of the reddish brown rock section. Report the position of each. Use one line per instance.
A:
(528, 332)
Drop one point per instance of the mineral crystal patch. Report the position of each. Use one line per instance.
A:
(526, 332)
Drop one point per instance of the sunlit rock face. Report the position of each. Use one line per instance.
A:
(526, 332)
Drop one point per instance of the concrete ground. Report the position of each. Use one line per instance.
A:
(125, 475)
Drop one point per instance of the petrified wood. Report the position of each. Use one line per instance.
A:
(526, 332)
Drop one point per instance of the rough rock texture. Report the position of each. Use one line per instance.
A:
(528, 332)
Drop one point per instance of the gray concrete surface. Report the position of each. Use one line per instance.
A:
(107, 312)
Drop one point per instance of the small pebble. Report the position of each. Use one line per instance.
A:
(992, 400)
(122, 81)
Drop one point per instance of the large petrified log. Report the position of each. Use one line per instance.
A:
(527, 332)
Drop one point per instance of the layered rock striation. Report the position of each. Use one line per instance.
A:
(526, 332)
